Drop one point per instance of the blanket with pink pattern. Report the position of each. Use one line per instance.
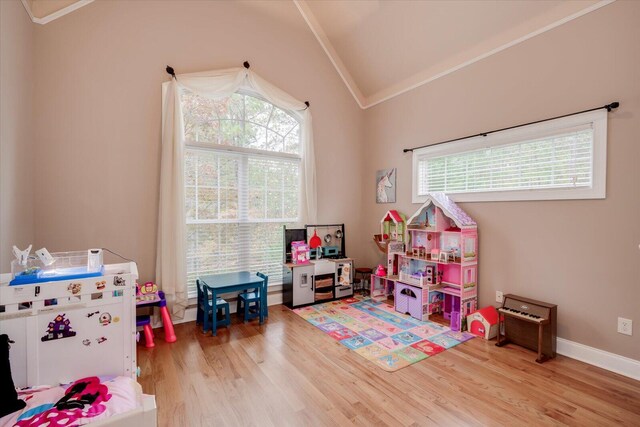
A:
(80, 402)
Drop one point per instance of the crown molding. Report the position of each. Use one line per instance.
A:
(322, 38)
(423, 77)
(55, 15)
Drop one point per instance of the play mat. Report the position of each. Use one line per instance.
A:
(378, 333)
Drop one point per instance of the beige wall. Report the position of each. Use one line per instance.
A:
(16, 130)
(582, 255)
(98, 112)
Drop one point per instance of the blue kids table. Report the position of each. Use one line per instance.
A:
(233, 282)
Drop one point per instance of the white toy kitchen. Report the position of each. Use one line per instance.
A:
(328, 273)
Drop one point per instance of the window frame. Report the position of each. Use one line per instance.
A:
(244, 154)
(597, 190)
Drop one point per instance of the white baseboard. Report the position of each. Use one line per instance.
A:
(600, 358)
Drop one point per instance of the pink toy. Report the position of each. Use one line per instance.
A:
(455, 321)
(300, 252)
(484, 322)
(145, 322)
(381, 271)
(152, 298)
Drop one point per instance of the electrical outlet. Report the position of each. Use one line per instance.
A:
(499, 296)
(625, 326)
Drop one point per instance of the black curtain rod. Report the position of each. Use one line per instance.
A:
(609, 107)
(170, 71)
(245, 64)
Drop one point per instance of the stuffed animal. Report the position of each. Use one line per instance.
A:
(9, 401)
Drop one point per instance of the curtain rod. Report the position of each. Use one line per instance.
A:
(245, 64)
(609, 107)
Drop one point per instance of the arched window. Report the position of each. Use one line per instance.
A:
(242, 183)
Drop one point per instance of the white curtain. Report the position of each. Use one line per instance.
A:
(171, 272)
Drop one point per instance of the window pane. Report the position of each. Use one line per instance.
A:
(208, 203)
(240, 121)
(214, 192)
(271, 183)
(211, 249)
(190, 202)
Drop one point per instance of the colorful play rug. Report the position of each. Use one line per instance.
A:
(378, 333)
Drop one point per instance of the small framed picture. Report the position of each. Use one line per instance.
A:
(386, 186)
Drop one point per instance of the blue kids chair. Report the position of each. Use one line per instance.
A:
(206, 311)
(250, 303)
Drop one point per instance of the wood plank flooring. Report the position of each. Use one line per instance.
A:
(288, 373)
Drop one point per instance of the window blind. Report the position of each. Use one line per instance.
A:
(236, 207)
(560, 160)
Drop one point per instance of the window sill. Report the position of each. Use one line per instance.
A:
(524, 195)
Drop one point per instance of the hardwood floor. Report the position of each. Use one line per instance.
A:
(287, 372)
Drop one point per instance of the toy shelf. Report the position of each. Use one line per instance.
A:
(463, 263)
(455, 290)
(324, 283)
(393, 277)
(434, 261)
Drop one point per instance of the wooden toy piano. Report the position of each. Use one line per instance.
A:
(529, 323)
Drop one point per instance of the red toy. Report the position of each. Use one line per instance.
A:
(484, 322)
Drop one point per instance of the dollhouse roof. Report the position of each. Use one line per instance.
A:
(394, 216)
(490, 314)
(450, 209)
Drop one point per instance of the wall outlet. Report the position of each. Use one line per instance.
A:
(625, 326)
(499, 297)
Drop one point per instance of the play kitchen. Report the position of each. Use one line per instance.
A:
(316, 268)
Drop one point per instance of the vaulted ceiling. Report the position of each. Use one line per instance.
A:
(383, 48)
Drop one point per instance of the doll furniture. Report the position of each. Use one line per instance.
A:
(484, 322)
(365, 276)
(411, 300)
(440, 260)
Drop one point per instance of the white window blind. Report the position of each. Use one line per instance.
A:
(558, 159)
(242, 183)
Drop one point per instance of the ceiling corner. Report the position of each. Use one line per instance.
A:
(322, 38)
(53, 14)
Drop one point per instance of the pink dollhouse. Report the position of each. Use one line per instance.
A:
(441, 261)
(390, 241)
(392, 226)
